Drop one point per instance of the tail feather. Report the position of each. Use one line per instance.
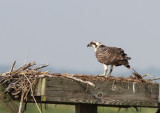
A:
(128, 66)
(127, 58)
(123, 62)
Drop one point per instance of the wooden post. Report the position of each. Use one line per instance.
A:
(86, 108)
(6, 101)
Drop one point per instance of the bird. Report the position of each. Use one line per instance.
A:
(109, 56)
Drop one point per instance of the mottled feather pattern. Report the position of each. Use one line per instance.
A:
(112, 56)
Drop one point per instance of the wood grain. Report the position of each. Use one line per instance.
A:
(107, 93)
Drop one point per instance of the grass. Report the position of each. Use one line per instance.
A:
(130, 110)
(52, 108)
(2, 110)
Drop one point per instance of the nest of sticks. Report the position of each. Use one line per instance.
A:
(19, 82)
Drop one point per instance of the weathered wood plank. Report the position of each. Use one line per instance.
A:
(6, 101)
(109, 93)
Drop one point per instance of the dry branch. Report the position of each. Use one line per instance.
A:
(79, 80)
(21, 102)
(156, 78)
(12, 66)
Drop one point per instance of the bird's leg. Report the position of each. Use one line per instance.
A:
(111, 69)
(105, 69)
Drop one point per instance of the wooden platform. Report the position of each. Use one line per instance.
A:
(89, 91)
(107, 91)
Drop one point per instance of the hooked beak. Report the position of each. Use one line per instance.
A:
(88, 45)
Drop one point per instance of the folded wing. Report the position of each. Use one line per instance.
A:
(112, 56)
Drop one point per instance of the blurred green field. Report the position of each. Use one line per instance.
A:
(52, 108)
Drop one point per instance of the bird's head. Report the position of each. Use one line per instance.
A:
(94, 44)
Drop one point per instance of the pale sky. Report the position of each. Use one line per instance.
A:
(56, 32)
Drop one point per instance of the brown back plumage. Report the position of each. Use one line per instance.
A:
(112, 56)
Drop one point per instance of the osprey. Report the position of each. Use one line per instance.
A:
(109, 56)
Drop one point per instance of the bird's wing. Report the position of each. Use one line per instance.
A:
(110, 55)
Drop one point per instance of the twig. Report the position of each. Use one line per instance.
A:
(77, 79)
(156, 78)
(21, 102)
(25, 106)
(11, 69)
(28, 65)
(137, 75)
(32, 93)
(148, 75)
(40, 67)
(70, 77)
(29, 90)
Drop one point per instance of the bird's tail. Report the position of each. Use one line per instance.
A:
(128, 66)
(127, 58)
(127, 63)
